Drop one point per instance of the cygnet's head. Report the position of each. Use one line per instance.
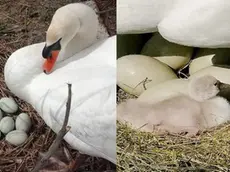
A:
(67, 22)
(204, 87)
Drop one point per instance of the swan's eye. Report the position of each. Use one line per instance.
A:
(216, 83)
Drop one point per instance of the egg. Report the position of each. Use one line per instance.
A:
(6, 124)
(16, 137)
(130, 43)
(136, 72)
(23, 122)
(174, 55)
(8, 105)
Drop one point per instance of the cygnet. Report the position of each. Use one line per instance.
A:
(202, 109)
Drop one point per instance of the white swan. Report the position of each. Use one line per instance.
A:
(192, 23)
(200, 110)
(72, 56)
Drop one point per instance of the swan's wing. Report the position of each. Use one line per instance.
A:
(198, 23)
(93, 112)
(92, 118)
(141, 16)
(98, 127)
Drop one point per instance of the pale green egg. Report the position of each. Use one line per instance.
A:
(174, 55)
(23, 122)
(16, 137)
(8, 105)
(6, 124)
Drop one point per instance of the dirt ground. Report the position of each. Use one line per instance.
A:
(24, 22)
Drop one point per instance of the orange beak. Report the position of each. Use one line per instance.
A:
(50, 62)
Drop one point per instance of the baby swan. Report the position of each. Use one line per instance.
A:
(202, 109)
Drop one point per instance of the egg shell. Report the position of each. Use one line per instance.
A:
(206, 57)
(6, 124)
(16, 137)
(132, 71)
(222, 74)
(23, 122)
(8, 105)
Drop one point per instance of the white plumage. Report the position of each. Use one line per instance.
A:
(193, 23)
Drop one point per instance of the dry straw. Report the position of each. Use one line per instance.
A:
(139, 151)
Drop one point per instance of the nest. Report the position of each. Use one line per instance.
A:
(141, 151)
(24, 23)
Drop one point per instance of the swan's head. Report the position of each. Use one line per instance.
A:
(67, 22)
(204, 87)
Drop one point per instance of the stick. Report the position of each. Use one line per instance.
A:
(180, 70)
(59, 136)
(105, 11)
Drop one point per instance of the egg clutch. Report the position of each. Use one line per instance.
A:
(14, 127)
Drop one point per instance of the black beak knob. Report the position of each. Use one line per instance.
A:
(47, 50)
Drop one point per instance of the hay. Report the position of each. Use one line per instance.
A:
(22, 23)
(139, 151)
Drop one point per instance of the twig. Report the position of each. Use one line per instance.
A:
(180, 70)
(10, 18)
(105, 11)
(59, 136)
(144, 82)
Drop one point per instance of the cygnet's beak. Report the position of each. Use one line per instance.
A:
(224, 90)
(50, 54)
(222, 86)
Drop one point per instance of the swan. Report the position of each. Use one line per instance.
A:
(141, 16)
(191, 23)
(71, 54)
(199, 110)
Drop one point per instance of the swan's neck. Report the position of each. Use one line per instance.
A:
(84, 38)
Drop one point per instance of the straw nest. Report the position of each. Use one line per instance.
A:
(23, 23)
(139, 151)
